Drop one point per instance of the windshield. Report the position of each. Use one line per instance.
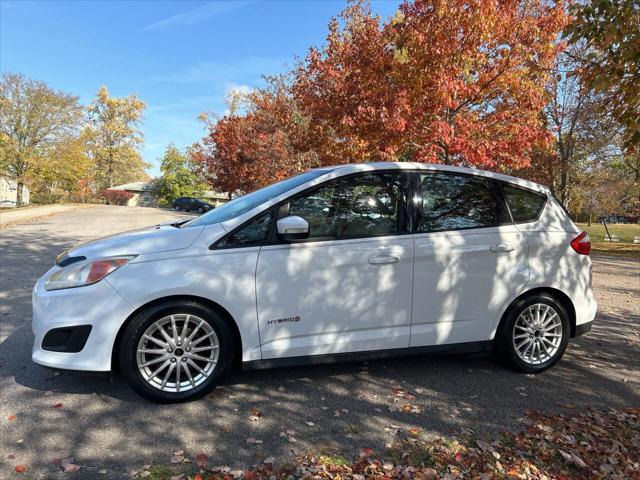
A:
(243, 204)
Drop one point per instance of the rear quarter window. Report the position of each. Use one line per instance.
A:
(525, 205)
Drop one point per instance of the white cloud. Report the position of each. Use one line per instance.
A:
(221, 73)
(197, 15)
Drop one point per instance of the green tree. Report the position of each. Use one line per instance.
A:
(34, 120)
(611, 31)
(179, 177)
(114, 136)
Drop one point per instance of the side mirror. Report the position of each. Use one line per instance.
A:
(293, 228)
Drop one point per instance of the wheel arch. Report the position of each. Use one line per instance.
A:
(237, 353)
(559, 295)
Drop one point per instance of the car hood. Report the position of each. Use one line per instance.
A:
(161, 238)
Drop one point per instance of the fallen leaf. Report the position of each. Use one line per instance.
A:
(11, 418)
(201, 460)
(20, 468)
(58, 405)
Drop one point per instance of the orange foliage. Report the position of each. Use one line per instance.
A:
(444, 81)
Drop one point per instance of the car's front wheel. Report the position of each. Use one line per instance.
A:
(175, 351)
(534, 334)
(177, 208)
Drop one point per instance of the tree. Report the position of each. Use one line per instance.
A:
(34, 120)
(267, 143)
(66, 172)
(611, 63)
(451, 81)
(114, 135)
(179, 176)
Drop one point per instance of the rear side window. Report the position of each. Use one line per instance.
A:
(525, 205)
(456, 202)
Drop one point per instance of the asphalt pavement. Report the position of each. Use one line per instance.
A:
(110, 431)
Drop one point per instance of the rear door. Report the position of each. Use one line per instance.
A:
(348, 287)
(469, 259)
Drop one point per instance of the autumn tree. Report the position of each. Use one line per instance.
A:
(610, 29)
(447, 81)
(65, 173)
(35, 120)
(268, 142)
(451, 81)
(114, 136)
(179, 177)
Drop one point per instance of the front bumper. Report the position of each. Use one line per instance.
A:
(97, 305)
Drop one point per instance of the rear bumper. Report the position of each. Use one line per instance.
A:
(583, 328)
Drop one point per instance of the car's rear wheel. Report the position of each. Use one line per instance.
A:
(200, 210)
(177, 208)
(534, 334)
(175, 351)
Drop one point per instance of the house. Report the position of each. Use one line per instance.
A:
(9, 193)
(144, 195)
(215, 198)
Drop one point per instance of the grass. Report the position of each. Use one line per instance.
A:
(624, 248)
(631, 250)
(625, 232)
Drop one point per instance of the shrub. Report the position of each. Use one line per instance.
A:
(116, 197)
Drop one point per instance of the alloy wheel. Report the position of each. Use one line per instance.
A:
(537, 334)
(177, 353)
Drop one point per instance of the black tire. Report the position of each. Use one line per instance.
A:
(200, 210)
(177, 208)
(505, 348)
(143, 320)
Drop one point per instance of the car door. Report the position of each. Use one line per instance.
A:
(346, 288)
(469, 259)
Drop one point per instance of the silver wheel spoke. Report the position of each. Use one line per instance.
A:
(188, 372)
(183, 334)
(156, 341)
(204, 349)
(197, 357)
(201, 339)
(195, 330)
(167, 375)
(155, 360)
(172, 368)
(166, 362)
(158, 351)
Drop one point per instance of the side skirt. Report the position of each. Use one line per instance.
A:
(467, 347)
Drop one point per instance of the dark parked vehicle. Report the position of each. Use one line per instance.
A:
(191, 204)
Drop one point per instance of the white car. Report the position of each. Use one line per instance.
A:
(374, 260)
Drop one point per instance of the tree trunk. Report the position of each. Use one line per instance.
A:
(19, 193)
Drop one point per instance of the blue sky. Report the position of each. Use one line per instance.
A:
(180, 57)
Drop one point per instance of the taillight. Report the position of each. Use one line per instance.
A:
(582, 244)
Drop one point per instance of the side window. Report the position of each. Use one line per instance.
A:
(525, 205)
(364, 205)
(456, 202)
(252, 234)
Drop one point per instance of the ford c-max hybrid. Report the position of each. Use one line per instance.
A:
(375, 259)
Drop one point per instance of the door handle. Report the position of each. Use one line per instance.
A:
(384, 258)
(501, 247)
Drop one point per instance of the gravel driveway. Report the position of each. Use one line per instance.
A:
(106, 427)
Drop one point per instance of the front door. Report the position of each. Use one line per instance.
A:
(348, 287)
(469, 260)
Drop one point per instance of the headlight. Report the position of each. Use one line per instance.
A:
(85, 272)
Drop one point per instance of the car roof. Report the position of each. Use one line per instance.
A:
(434, 167)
